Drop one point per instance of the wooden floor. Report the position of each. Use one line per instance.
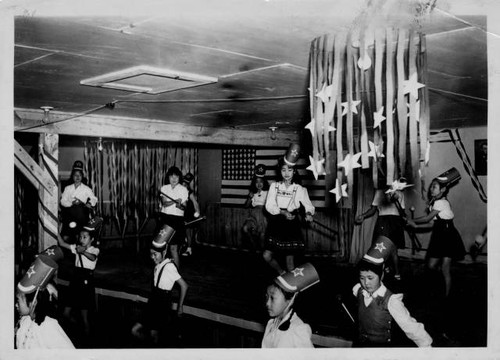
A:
(232, 283)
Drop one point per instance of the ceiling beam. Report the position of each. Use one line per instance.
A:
(29, 120)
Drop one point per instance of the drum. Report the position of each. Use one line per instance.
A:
(165, 234)
(74, 218)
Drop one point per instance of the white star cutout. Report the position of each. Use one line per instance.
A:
(339, 190)
(298, 272)
(350, 162)
(378, 117)
(412, 85)
(311, 127)
(375, 151)
(354, 103)
(316, 167)
(396, 185)
(31, 271)
(417, 110)
(380, 247)
(322, 94)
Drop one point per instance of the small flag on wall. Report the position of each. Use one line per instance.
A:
(238, 165)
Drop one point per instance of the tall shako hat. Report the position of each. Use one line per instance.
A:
(77, 165)
(188, 178)
(53, 252)
(299, 279)
(38, 275)
(260, 170)
(292, 154)
(379, 252)
(163, 237)
(449, 177)
(94, 224)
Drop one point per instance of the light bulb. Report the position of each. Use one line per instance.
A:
(273, 132)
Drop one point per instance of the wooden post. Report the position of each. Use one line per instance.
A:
(48, 202)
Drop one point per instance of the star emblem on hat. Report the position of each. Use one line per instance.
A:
(294, 152)
(50, 252)
(380, 247)
(162, 232)
(260, 168)
(354, 103)
(298, 272)
(412, 85)
(31, 271)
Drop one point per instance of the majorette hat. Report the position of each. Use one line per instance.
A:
(260, 170)
(94, 224)
(292, 154)
(38, 275)
(449, 177)
(299, 279)
(53, 252)
(379, 252)
(77, 165)
(163, 238)
(188, 178)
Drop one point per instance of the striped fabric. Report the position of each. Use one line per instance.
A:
(238, 166)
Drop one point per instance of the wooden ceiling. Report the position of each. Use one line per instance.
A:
(258, 53)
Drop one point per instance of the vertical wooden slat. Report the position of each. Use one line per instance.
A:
(388, 106)
(401, 102)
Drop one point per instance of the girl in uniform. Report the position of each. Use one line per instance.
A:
(283, 202)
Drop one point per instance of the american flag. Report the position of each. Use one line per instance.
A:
(238, 165)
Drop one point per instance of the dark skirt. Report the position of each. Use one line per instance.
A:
(392, 227)
(445, 241)
(82, 289)
(284, 235)
(177, 223)
(159, 309)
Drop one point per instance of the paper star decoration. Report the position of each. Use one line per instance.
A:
(31, 271)
(397, 185)
(322, 94)
(354, 103)
(378, 117)
(311, 127)
(339, 190)
(316, 167)
(50, 252)
(417, 110)
(411, 86)
(298, 272)
(380, 247)
(350, 162)
(375, 151)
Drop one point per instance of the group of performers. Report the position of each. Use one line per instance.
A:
(276, 213)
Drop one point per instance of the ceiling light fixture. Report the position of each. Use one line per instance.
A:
(273, 132)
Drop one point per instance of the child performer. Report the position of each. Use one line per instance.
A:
(192, 212)
(283, 202)
(81, 287)
(390, 222)
(446, 243)
(37, 327)
(159, 308)
(172, 211)
(378, 306)
(256, 223)
(285, 329)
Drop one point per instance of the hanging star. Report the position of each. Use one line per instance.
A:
(31, 271)
(311, 127)
(316, 167)
(50, 252)
(417, 110)
(380, 247)
(378, 117)
(322, 94)
(331, 128)
(354, 103)
(339, 191)
(350, 162)
(298, 272)
(397, 186)
(375, 151)
(411, 85)
(329, 91)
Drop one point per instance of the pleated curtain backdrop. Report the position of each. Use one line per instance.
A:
(127, 177)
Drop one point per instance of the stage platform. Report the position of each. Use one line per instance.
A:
(227, 294)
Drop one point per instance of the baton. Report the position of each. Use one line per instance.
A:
(415, 242)
(339, 298)
(195, 221)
